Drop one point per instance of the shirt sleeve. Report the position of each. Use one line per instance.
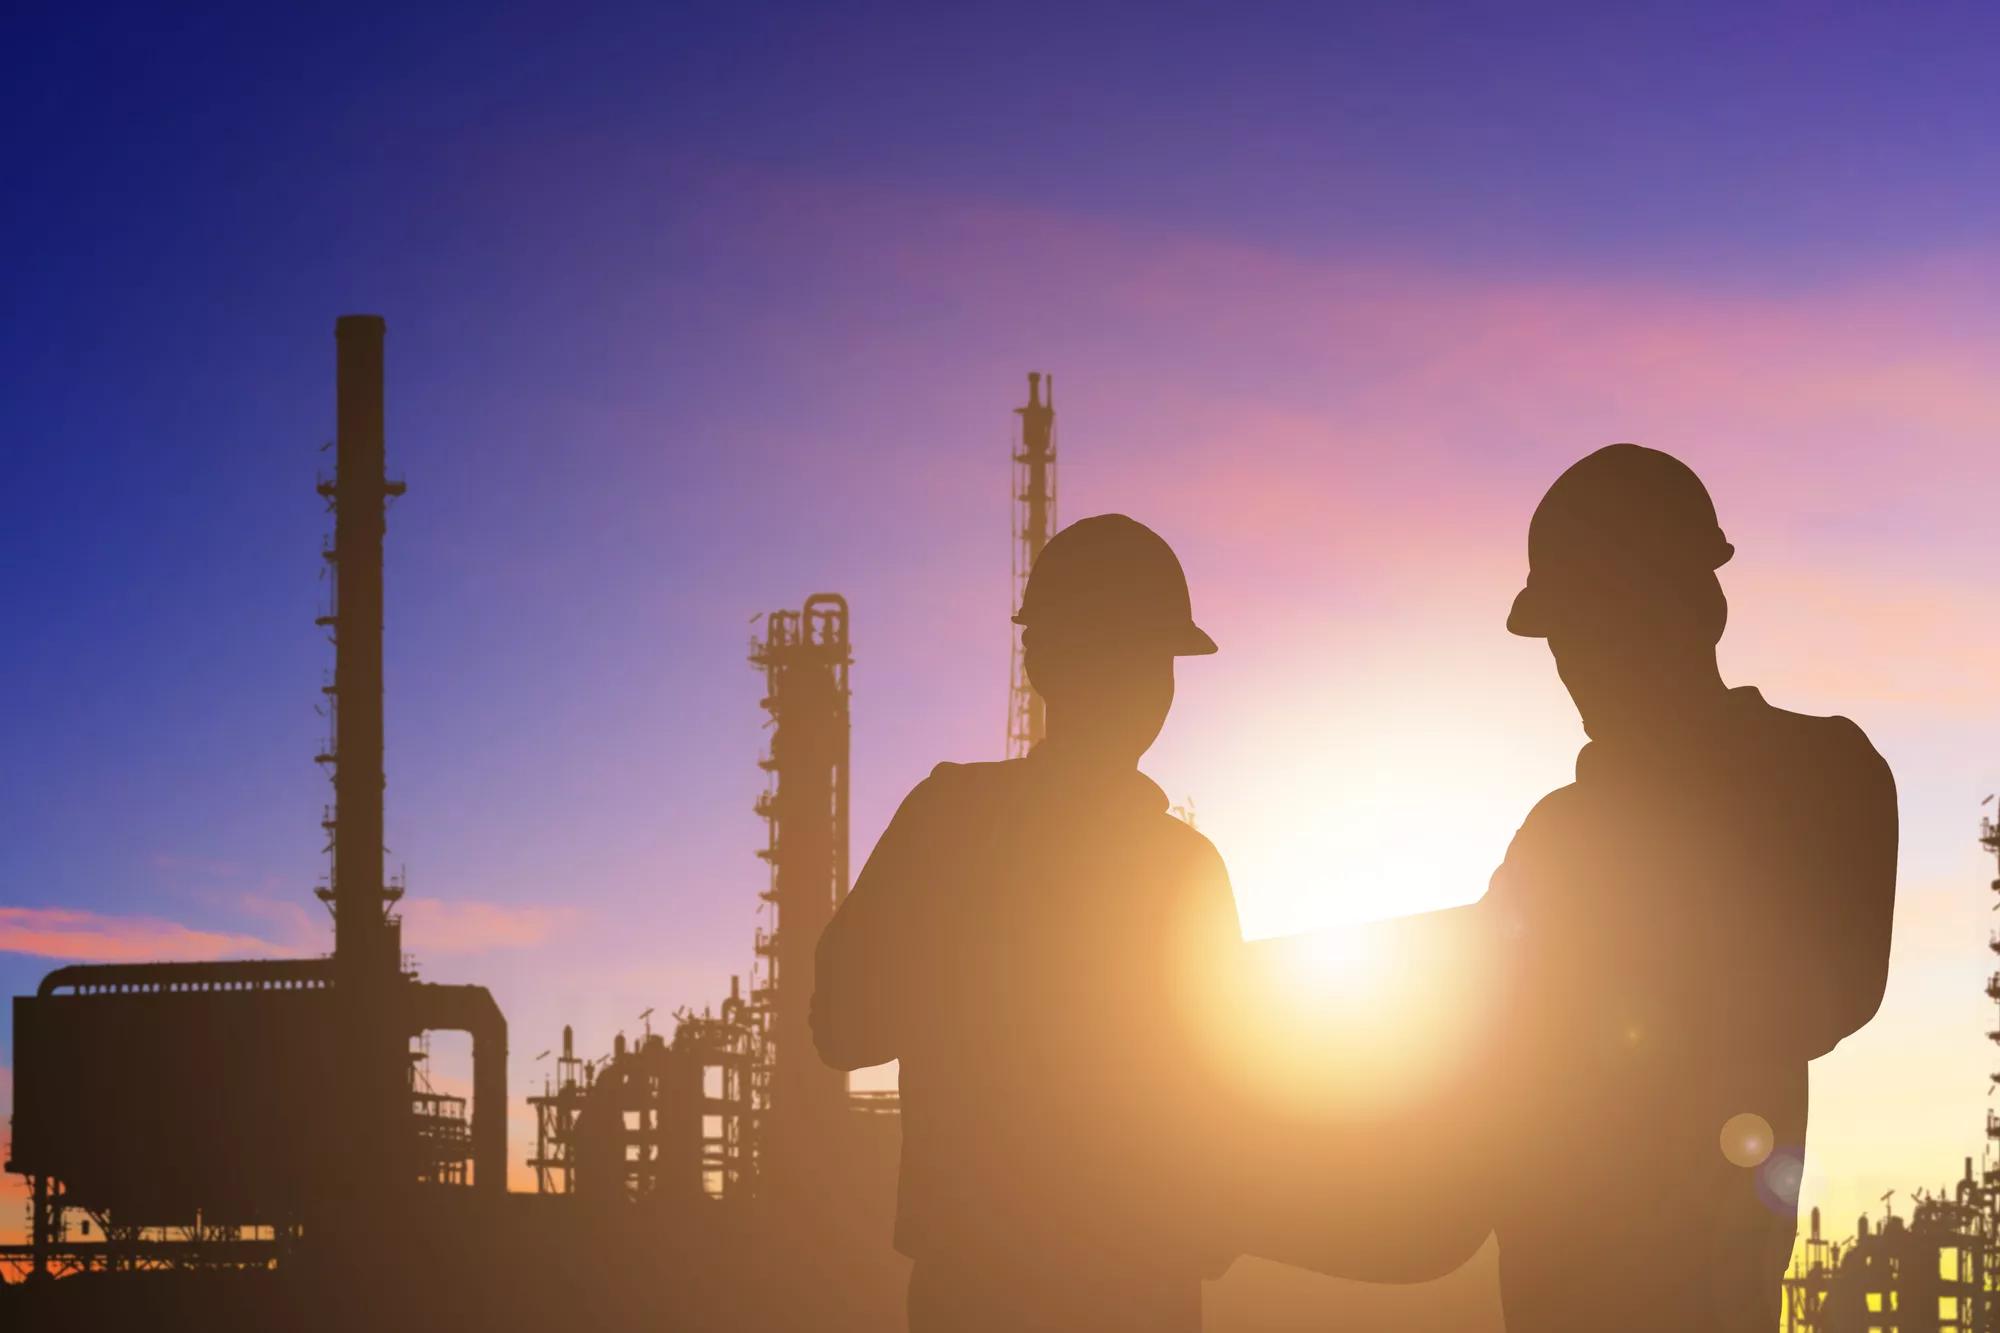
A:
(866, 956)
(1841, 955)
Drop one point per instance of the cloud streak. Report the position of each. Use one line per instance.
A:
(457, 927)
(89, 937)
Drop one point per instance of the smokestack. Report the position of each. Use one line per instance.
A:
(365, 940)
(372, 1058)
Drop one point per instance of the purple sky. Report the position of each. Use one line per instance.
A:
(695, 310)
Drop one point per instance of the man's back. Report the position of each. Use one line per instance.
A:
(1025, 940)
(1693, 920)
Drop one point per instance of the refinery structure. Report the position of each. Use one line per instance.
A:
(1034, 520)
(1936, 1270)
(261, 1137)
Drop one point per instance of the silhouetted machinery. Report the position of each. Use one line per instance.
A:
(658, 1117)
(187, 1109)
(1937, 1272)
(1925, 1275)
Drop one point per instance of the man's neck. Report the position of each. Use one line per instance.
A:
(1658, 711)
(1076, 755)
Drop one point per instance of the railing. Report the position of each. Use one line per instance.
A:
(179, 978)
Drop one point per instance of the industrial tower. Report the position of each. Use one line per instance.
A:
(1989, 838)
(367, 935)
(797, 1103)
(772, 1122)
(1034, 492)
(237, 1114)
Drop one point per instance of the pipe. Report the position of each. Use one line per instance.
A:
(471, 1009)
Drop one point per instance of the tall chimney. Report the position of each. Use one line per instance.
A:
(365, 943)
(372, 1057)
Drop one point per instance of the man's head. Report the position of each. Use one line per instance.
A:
(1622, 554)
(1105, 613)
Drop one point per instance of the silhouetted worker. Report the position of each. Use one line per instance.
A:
(1025, 939)
(1703, 911)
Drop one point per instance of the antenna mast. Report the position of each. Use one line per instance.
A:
(1034, 492)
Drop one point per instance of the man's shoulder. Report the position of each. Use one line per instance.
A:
(956, 779)
(1830, 745)
(1554, 811)
(952, 788)
(1186, 841)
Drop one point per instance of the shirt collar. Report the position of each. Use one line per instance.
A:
(1123, 787)
(1691, 738)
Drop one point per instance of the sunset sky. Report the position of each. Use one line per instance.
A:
(694, 310)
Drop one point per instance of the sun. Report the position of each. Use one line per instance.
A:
(1311, 856)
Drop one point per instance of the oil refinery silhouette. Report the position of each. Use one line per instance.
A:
(257, 1144)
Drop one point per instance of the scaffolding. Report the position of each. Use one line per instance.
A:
(719, 1047)
(805, 656)
(1034, 518)
(556, 1111)
(1927, 1275)
(443, 1131)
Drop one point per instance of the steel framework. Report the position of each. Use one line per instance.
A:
(1937, 1273)
(805, 656)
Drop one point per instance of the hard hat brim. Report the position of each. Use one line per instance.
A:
(1194, 642)
(1189, 640)
(1528, 617)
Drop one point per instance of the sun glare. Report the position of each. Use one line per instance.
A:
(1399, 798)
(1313, 859)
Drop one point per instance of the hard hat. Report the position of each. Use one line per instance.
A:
(1112, 577)
(1620, 522)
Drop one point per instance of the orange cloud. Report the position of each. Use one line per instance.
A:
(75, 936)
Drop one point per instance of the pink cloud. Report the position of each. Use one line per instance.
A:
(431, 926)
(1388, 355)
(303, 928)
(74, 936)
(437, 926)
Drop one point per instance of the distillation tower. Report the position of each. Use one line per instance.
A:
(1034, 492)
(797, 1102)
(773, 1120)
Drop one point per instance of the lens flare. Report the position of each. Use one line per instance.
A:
(1747, 1139)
